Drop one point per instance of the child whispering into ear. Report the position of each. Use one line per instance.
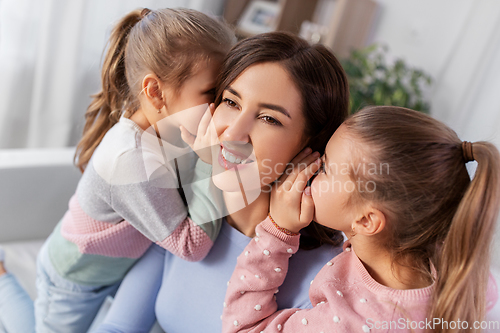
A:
(419, 232)
(159, 63)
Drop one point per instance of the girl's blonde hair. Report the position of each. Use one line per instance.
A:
(436, 214)
(167, 42)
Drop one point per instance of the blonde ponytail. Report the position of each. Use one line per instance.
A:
(440, 216)
(464, 262)
(167, 42)
(105, 109)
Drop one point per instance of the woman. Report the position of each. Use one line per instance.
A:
(279, 95)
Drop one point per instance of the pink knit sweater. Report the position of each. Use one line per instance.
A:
(345, 297)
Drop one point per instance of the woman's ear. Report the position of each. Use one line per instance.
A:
(371, 222)
(152, 90)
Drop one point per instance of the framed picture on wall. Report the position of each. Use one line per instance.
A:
(259, 17)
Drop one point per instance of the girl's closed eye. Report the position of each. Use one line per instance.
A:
(322, 167)
(211, 94)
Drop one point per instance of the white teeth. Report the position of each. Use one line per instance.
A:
(233, 159)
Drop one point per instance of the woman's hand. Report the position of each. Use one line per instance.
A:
(291, 205)
(203, 140)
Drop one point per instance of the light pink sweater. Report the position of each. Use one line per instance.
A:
(345, 297)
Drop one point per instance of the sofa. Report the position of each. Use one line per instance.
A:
(35, 187)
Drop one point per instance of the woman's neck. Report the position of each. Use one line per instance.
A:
(378, 263)
(247, 218)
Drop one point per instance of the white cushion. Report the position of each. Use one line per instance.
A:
(20, 260)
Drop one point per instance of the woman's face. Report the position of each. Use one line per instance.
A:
(260, 126)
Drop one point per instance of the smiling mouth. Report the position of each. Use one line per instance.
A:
(231, 158)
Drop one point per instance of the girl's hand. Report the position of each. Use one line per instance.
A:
(291, 205)
(205, 136)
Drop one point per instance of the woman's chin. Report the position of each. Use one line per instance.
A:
(237, 179)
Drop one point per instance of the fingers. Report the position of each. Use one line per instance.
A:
(300, 183)
(298, 168)
(205, 120)
(305, 152)
(300, 156)
(306, 207)
(302, 165)
(187, 137)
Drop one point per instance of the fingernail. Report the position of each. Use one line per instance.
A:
(316, 154)
(307, 150)
(308, 190)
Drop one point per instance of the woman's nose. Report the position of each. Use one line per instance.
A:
(239, 128)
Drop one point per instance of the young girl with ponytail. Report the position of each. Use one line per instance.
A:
(419, 232)
(158, 63)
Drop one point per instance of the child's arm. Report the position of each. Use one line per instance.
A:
(155, 208)
(250, 305)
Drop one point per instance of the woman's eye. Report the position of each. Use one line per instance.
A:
(271, 121)
(230, 103)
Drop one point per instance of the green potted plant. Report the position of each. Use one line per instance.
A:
(372, 81)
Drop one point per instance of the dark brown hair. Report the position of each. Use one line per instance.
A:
(322, 82)
(435, 213)
(166, 42)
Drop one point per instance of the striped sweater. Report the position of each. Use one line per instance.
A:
(126, 199)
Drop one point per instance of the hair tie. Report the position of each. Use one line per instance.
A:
(467, 151)
(145, 12)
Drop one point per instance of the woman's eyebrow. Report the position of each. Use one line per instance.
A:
(275, 108)
(263, 105)
(232, 91)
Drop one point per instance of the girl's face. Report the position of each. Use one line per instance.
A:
(193, 97)
(333, 185)
(196, 90)
(260, 127)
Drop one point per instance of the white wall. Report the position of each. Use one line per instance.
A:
(50, 57)
(458, 43)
